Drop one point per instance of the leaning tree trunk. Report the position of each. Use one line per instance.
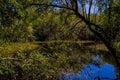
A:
(100, 35)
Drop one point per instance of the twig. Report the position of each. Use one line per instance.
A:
(11, 59)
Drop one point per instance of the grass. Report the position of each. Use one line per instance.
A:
(101, 47)
(8, 49)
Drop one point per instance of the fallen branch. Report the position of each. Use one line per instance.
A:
(11, 59)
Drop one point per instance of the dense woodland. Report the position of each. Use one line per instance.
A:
(42, 39)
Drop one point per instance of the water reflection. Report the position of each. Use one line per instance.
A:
(98, 70)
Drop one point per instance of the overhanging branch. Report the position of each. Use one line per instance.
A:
(76, 12)
(59, 6)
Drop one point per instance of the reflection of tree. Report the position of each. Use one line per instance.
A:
(92, 72)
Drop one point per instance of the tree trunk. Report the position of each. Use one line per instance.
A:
(100, 35)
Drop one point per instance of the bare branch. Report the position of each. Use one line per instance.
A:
(75, 25)
(11, 59)
(59, 6)
(90, 5)
(67, 3)
(76, 5)
(74, 10)
(87, 21)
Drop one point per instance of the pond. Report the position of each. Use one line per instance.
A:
(97, 70)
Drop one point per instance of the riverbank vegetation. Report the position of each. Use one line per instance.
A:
(40, 40)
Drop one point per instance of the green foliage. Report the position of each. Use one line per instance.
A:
(51, 25)
(36, 23)
(26, 61)
(11, 27)
(7, 49)
(111, 24)
(48, 61)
